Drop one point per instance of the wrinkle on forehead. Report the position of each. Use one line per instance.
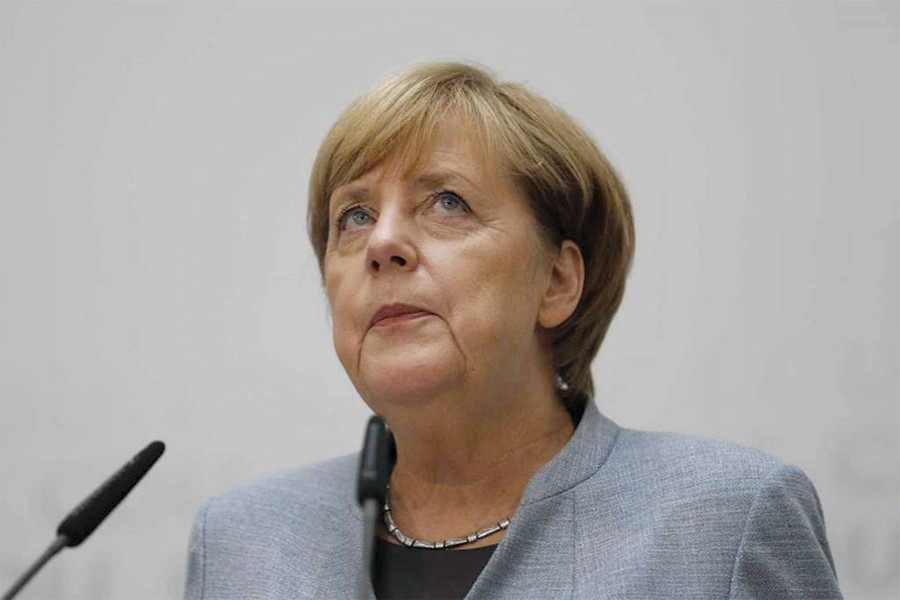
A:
(412, 147)
(455, 148)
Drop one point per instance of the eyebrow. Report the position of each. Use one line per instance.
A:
(436, 179)
(354, 191)
(350, 193)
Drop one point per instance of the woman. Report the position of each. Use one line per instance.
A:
(474, 245)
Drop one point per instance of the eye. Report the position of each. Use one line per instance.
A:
(353, 217)
(450, 202)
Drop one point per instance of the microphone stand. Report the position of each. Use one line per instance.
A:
(84, 519)
(376, 461)
(58, 544)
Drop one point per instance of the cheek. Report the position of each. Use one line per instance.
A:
(340, 300)
(497, 296)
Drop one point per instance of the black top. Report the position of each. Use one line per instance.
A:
(402, 572)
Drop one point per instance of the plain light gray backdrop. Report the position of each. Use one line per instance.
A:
(157, 281)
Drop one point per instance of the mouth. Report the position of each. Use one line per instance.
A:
(391, 314)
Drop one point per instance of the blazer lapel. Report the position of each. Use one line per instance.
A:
(536, 557)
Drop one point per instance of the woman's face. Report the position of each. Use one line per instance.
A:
(435, 276)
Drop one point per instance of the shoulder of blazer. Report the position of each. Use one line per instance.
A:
(320, 492)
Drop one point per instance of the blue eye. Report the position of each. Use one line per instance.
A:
(359, 217)
(355, 216)
(451, 202)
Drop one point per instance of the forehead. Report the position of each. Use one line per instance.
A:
(453, 151)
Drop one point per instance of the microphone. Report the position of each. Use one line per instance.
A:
(376, 461)
(85, 518)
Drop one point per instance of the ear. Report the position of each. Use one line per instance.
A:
(565, 286)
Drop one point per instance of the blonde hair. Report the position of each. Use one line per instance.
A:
(573, 191)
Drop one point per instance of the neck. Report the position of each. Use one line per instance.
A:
(463, 463)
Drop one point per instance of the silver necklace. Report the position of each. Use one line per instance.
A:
(414, 543)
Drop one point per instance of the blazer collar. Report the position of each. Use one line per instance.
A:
(579, 459)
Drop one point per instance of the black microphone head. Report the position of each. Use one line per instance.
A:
(82, 521)
(376, 461)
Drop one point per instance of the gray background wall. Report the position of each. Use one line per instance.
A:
(157, 281)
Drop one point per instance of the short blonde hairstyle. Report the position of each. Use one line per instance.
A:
(573, 191)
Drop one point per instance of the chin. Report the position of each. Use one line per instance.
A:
(406, 380)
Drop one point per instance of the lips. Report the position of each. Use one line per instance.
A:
(396, 312)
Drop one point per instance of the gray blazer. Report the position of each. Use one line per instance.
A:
(617, 513)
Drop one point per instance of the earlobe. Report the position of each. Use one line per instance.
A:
(565, 286)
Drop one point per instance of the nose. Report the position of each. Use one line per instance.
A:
(391, 245)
